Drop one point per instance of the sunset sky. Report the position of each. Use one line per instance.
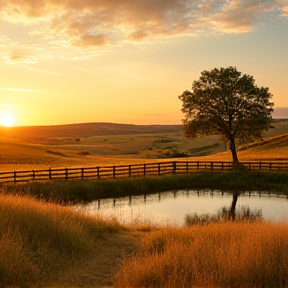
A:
(127, 61)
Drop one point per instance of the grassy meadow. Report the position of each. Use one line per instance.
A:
(45, 244)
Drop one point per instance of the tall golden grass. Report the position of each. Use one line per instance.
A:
(217, 255)
(40, 242)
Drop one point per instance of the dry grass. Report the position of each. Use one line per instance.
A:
(45, 244)
(216, 255)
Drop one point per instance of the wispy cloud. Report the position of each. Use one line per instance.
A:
(15, 94)
(18, 58)
(5, 105)
(102, 23)
(21, 90)
(46, 72)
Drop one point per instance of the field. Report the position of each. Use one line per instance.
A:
(44, 244)
(80, 145)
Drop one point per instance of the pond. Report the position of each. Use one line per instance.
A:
(173, 207)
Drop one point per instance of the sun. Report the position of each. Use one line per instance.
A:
(7, 120)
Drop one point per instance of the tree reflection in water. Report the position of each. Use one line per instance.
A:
(225, 214)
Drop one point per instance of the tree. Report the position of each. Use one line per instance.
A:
(227, 103)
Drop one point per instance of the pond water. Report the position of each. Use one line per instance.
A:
(172, 207)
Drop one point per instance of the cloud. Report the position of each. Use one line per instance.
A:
(241, 15)
(46, 72)
(16, 58)
(102, 23)
(284, 8)
(137, 35)
(20, 90)
(91, 40)
(285, 12)
(16, 52)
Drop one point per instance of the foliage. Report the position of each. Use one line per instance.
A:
(226, 102)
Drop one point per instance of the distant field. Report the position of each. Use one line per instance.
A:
(71, 133)
(136, 144)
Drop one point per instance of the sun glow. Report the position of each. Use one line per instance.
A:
(7, 120)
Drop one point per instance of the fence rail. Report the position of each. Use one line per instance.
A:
(135, 170)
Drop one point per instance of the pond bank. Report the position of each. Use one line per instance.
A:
(65, 192)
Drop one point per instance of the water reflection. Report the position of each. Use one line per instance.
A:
(225, 214)
(172, 207)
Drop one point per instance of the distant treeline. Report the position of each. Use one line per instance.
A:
(280, 120)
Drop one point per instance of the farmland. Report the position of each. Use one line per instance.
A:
(25, 148)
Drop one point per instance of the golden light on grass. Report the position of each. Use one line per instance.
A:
(218, 255)
(7, 120)
(45, 243)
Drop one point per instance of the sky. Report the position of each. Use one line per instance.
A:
(127, 61)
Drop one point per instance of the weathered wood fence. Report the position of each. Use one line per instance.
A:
(135, 170)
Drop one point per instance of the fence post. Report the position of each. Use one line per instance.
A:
(33, 174)
(15, 177)
(159, 172)
(98, 172)
(82, 173)
(260, 165)
(174, 167)
(212, 166)
(129, 171)
(66, 173)
(198, 166)
(144, 170)
(114, 171)
(50, 174)
(222, 165)
(187, 167)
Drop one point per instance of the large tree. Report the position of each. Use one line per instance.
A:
(228, 103)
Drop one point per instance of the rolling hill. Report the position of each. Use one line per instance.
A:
(71, 132)
(93, 144)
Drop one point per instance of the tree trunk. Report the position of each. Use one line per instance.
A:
(233, 151)
(236, 164)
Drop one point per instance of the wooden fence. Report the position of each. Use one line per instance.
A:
(135, 170)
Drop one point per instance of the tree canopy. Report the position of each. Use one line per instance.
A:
(228, 103)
